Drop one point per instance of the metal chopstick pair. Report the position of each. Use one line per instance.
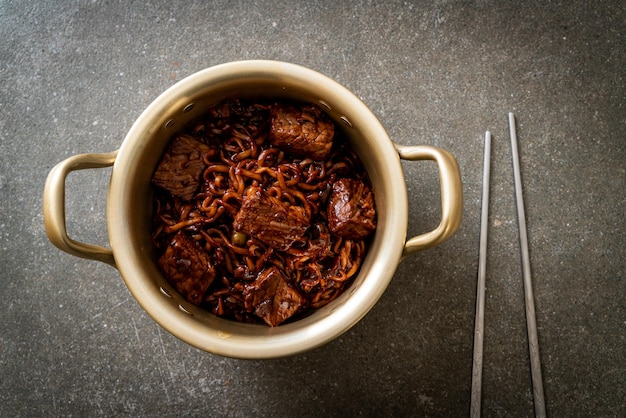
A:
(531, 324)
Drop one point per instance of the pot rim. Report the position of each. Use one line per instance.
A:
(229, 338)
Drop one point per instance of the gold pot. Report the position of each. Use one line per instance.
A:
(129, 208)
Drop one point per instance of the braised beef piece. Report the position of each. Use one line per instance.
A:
(187, 267)
(302, 131)
(351, 209)
(270, 297)
(181, 167)
(270, 220)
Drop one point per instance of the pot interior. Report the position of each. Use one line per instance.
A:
(129, 207)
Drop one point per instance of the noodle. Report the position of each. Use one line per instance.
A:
(238, 159)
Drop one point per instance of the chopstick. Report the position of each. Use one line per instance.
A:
(531, 321)
(477, 365)
(531, 324)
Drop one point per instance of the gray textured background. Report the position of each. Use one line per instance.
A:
(74, 76)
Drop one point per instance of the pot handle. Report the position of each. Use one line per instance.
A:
(451, 195)
(54, 206)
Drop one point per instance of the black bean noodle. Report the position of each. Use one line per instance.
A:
(237, 156)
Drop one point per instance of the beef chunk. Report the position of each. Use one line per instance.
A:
(351, 210)
(270, 220)
(271, 297)
(303, 131)
(187, 267)
(181, 167)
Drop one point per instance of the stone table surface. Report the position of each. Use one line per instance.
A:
(75, 75)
